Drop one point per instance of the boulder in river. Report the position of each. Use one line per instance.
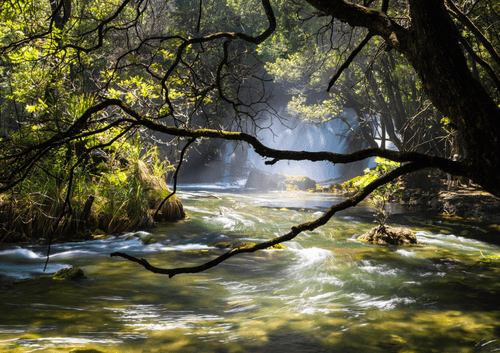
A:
(389, 235)
(71, 274)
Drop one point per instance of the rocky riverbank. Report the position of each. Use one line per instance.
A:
(429, 190)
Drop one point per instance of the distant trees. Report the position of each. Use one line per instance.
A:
(73, 71)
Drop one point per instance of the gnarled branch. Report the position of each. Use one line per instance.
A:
(308, 226)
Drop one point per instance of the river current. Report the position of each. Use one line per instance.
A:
(327, 292)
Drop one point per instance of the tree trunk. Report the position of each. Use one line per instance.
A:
(433, 49)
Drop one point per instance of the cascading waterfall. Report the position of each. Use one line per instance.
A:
(306, 136)
(235, 159)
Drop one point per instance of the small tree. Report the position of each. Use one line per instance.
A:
(383, 193)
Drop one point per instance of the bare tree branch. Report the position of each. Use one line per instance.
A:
(308, 226)
(473, 28)
(349, 60)
(481, 62)
(136, 120)
(376, 21)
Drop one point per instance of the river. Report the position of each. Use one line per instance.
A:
(326, 292)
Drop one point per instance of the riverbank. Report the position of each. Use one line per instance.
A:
(429, 191)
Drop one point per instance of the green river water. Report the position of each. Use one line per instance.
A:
(326, 292)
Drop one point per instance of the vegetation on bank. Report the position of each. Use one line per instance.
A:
(111, 190)
(262, 181)
(357, 183)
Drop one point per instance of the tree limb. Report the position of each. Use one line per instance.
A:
(477, 32)
(349, 60)
(376, 21)
(136, 120)
(296, 230)
(267, 152)
(481, 62)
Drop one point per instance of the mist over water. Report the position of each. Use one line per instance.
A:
(304, 137)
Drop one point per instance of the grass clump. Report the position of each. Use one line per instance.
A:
(490, 258)
(104, 184)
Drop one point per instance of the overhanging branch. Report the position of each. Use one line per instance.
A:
(308, 226)
(277, 155)
(181, 158)
(135, 119)
(349, 60)
(476, 31)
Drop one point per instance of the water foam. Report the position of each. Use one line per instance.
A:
(19, 253)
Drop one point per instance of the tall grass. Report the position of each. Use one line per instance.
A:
(120, 193)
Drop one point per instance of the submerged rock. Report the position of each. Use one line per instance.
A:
(389, 235)
(71, 274)
(148, 239)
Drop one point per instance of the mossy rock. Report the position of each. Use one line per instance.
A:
(172, 210)
(244, 244)
(262, 181)
(72, 274)
(301, 183)
(386, 235)
(85, 350)
(224, 245)
(278, 246)
(490, 258)
(148, 239)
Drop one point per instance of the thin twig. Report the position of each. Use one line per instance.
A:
(175, 176)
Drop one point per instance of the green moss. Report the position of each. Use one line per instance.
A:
(296, 183)
(148, 239)
(489, 258)
(243, 245)
(72, 274)
(224, 245)
(278, 246)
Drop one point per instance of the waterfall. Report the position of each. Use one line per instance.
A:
(306, 136)
(232, 161)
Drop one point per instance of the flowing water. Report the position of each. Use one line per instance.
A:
(326, 292)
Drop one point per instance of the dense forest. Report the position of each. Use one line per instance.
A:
(100, 100)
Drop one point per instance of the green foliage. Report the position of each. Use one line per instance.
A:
(489, 258)
(383, 167)
(122, 189)
(383, 193)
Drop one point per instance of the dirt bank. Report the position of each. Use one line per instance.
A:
(428, 190)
